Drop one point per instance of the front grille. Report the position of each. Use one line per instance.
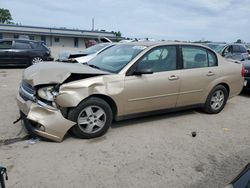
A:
(27, 92)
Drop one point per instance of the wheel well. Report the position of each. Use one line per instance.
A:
(226, 86)
(109, 100)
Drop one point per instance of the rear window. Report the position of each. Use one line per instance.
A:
(5, 44)
(44, 46)
(243, 49)
(39, 45)
(22, 45)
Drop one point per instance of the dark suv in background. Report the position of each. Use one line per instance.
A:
(230, 51)
(21, 52)
(236, 52)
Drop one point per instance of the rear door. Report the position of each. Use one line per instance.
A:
(21, 52)
(199, 70)
(5, 49)
(149, 92)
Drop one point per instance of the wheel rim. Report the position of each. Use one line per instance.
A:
(36, 60)
(217, 100)
(91, 119)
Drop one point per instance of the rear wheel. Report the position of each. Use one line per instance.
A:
(216, 100)
(93, 117)
(36, 60)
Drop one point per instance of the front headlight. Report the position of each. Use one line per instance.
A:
(46, 93)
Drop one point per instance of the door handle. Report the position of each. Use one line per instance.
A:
(210, 73)
(173, 77)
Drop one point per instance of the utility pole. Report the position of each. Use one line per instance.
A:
(93, 24)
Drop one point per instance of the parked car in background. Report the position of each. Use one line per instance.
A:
(236, 52)
(246, 64)
(125, 81)
(22, 52)
(69, 56)
(230, 51)
(92, 52)
(248, 48)
(242, 180)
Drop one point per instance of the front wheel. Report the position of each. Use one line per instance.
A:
(93, 118)
(216, 100)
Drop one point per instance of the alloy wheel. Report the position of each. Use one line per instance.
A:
(91, 119)
(217, 100)
(36, 60)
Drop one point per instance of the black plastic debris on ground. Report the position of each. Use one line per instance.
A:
(14, 140)
(194, 134)
(3, 172)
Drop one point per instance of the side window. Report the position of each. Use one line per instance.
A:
(194, 57)
(159, 59)
(236, 49)
(57, 39)
(229, 49)
(5, 44)
(22, 45)
(212, 60)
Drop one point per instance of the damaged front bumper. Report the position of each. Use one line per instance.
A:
(42, 119)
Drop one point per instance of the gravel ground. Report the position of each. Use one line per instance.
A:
(156, 151)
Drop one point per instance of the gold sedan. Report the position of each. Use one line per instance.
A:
(125, 81)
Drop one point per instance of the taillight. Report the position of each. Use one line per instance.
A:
(242, 71)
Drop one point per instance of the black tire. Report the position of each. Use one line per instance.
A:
(208, 108)
(75, 113)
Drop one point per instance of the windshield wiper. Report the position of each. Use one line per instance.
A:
(93, 66)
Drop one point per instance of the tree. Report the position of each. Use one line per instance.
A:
(239, 41)
(5, 16)
(118, 33)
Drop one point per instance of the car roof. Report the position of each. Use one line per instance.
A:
(159, 43)
(13, 39)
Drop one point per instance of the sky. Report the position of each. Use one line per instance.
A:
(189, 20)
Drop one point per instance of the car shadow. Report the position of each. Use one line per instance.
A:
(13, 67)
(218, 172)
(151, 118)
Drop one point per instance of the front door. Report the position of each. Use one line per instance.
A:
(159, 90)
(5, 48)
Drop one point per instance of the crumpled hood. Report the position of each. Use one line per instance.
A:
(55, 72)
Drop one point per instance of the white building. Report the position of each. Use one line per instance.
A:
(57, 39)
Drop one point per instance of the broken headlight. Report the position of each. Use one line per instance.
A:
(47, 93)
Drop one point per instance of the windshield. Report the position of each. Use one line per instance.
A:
(216, 47)
(115, 58)
(95, 48)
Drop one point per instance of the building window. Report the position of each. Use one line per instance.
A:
(16, 36)
(76, 42)
(1, 35)
(57, 39)
(32, 37)
(43, 39)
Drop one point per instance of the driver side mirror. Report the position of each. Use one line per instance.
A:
(140, 71)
